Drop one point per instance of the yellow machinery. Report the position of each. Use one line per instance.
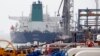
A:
(4, 52)
(14, 52)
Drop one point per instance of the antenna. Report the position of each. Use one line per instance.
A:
(47, 15)
(55, 13)
(22, 14)
(47, 9)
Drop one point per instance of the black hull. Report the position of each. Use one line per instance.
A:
(24, 37)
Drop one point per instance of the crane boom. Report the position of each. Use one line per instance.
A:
(18, 18)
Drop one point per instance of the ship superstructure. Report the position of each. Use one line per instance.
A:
(37, 27)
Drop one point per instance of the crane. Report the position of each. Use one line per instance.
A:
(67, 14)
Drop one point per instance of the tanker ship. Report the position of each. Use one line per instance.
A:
(37, 27)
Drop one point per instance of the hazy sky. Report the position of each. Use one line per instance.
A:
(16, 7)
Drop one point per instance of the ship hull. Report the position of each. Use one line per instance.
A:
(24, 37)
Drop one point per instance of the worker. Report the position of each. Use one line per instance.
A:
(88, 34)
(89, 42)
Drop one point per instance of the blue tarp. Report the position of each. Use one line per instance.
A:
(35, 53)
(58, 53)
